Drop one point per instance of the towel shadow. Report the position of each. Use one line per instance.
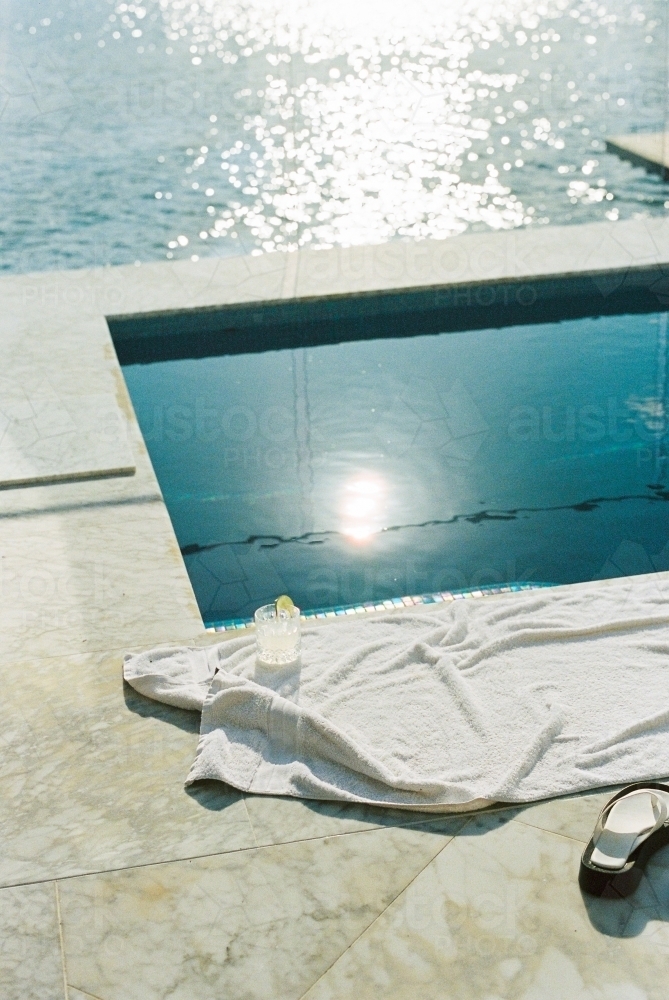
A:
(213, 795)
(365, 816)
(649, 903)
(147, 708)
(384, 816)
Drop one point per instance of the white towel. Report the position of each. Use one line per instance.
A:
(442, 707)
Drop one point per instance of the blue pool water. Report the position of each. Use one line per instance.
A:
(352, 472)
(165, 129)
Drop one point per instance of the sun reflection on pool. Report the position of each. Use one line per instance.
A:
(362, 506)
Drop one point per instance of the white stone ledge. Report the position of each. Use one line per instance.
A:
(511, 256)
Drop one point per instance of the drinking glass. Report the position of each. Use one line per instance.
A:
(277, 635)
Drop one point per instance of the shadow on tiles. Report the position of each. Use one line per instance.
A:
(645, 912)
(147, 708)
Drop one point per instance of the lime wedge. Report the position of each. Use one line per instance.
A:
(284, 604)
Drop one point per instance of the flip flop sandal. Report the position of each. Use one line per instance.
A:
(631, 827)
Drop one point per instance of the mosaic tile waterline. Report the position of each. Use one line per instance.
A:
(394, 604)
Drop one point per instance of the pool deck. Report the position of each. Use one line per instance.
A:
(116, 883)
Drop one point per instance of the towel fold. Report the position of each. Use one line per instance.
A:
(443, 707)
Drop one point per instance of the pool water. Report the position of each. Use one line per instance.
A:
(166, 129)
(360, 471)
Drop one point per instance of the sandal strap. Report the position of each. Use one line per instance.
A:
(626, 824)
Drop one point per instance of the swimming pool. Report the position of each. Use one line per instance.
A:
(163, 129)
(349, 472)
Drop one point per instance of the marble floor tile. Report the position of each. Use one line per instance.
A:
(31, 965)
(42, 302)
(60, 416)
(154, 287)
(498, 914)
(92, 775)
(92, 578)
(46, 351)
(572, 816)
(260, 924)
(24, 502)
(46, 436)
(283, 820)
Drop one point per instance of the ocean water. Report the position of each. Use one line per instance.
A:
(173, 129)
